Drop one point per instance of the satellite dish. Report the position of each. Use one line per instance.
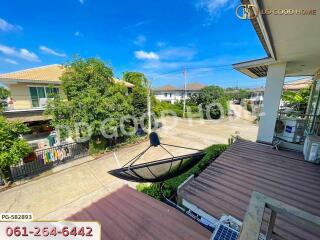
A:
(158, 170)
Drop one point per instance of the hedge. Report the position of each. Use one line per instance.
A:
(172, 184)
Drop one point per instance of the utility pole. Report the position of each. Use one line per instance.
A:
(185, 90)
(149, 105)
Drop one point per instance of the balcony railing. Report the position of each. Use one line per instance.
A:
(254, 216)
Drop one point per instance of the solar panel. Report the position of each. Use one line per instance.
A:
(223, 232)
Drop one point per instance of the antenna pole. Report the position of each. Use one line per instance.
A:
(149, 106)
(185, 90)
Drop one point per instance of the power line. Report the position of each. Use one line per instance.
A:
(212, 67)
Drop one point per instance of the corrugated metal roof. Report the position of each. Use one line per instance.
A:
(128, 214)
(225, 187)
(48, 73)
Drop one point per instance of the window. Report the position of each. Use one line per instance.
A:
(165, 94)
(41, 92)
(170, 95)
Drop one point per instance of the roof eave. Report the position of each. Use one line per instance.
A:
(261, 29)
(15, 81)
(245, 66)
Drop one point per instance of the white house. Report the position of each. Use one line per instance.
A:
(173, 94)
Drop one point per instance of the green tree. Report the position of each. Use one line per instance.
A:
(298, 99)
(92, 99)
(139, 93)
(211, 95)
(12, 147)
(235, 93)
(136, 78)
(4, 93)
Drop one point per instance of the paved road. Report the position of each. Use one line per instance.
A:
(67, 191)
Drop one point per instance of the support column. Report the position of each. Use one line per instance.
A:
(271, 101)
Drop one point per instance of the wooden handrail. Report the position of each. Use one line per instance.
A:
(253, 217)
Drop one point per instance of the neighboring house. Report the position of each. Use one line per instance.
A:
(173, 94)
(298, 84)
(294, 86)
(30, 90)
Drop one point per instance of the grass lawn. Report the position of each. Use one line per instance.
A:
(172, 184)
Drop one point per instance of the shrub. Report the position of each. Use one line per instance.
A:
(165, 106)
(172, 184)
(194, 109)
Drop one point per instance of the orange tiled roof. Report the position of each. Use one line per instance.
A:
(191, 86)
(48, 74)
(293, 86)
(166, 88)
(297, 85)
(194, 86)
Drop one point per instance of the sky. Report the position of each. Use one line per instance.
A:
(158, 38)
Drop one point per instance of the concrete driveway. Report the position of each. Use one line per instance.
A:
(67, 191)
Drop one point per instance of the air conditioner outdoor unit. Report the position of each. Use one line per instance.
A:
(311, 149)
(293, 130)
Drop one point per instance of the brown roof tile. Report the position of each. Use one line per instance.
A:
(190, 86)
(297, 85)
(128, 214)
(166, 88)
(225, 187)
(194, 86)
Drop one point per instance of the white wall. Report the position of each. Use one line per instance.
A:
(175, 95)
(271, 101)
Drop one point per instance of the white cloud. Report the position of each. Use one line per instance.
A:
(11, 61)
(146, 55)
(27, 55)
(140, 40)
(6, 27)
(214, 7)
(174, 53)
(7, 50)
(21, 53)
(50, 51)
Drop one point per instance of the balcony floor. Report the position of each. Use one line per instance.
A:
(225, 187)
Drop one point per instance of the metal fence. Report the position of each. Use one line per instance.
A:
(44, 159)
